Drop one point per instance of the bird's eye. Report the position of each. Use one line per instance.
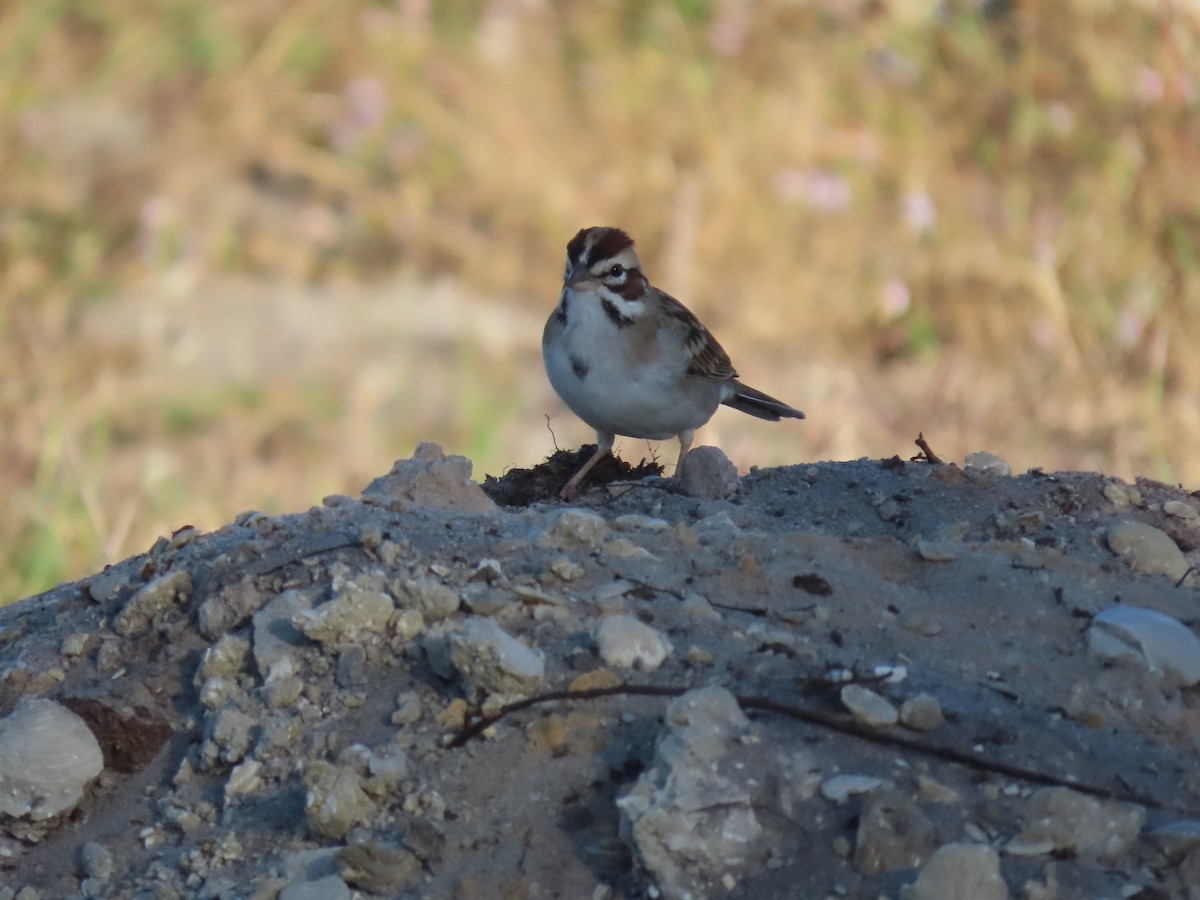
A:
(617, 270)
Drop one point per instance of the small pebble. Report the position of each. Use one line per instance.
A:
(936, 551)
(868, 707)
(96, 861)
(840, 788)
(1181, 510)
(1120, 494)
(626, 643)
(921, 713)
(1147, 549)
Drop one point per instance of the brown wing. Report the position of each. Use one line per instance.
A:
(708, 358)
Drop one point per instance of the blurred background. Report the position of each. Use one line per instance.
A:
(252, 251)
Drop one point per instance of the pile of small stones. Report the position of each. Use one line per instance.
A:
(797, 683)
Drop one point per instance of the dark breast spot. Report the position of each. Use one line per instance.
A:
(610, 310)
(561, 312)
(579, 367)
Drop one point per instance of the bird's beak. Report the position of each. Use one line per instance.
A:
(579, 278)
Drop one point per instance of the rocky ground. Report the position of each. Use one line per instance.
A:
(854, 679)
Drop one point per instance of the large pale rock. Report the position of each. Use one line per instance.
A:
(336, 801)
(573, 529)
(959, 872)
(1060, 819)
(1147, 549)
(707, 473)
(47, 757)
(430, 480)
(1164, 645)
(689, 819)
(626, 643)
(491, 660)
(354, 614)
(152, 601)
(893, 834)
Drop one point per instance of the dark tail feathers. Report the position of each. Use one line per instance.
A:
(756, 403)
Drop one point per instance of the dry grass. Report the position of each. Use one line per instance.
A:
(920, 214)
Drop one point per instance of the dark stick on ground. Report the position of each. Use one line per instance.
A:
(926, 454)
(829, 721)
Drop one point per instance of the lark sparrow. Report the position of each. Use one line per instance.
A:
(631, 360)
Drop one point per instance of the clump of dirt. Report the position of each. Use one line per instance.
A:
(524, 487)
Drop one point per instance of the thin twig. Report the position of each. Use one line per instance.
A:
(926, 454)
(1183, 577)
(831, 722)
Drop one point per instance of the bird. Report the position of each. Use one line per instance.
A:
(629, 359)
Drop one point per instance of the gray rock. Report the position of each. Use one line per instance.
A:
(1164, 645)
(573, 529)
(377, 869)
(48, 755)
(1147, 549)
(840, 788)
(1061, 819)
(921, 713)
(106, 585)
(719, 524)
(626, 643)
(152, 601)
(227, 737)
(868, 707)
(351, 666)
(356, 613)
(276, 639)
(707, 473)
(689, 819)
(435, 600)
(492, 661)
(936, 551)
(1118, 493)
(408, 709)
(336, 801)
(959, 872)
(96, 860)
(893, 834)
(1181, 510)
(220, 614)
(245, 778)
(225, 658)
(430, 480)
(983, 461)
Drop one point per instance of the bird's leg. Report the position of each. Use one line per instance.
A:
(604, 444)
(685, 444)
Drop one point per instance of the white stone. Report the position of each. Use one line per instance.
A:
(987, 462)
(690, 818)
(1164, 645)
(840, 788)
(626, 643)
(491, 660)
(573, 529)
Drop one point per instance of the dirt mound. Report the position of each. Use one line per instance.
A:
(847, 679)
